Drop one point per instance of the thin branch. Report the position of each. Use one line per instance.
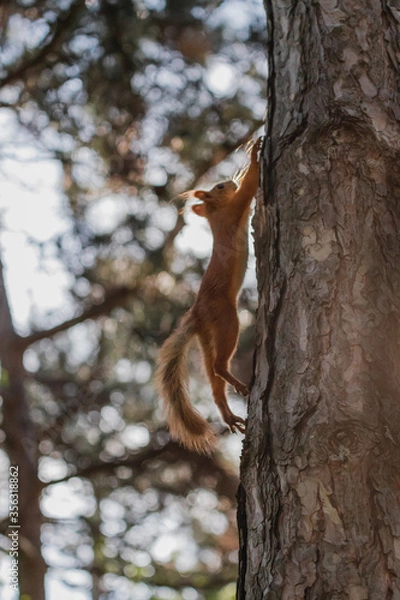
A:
(211, 582)
(115, 298)
(170, 239)
(226, 480)
(52, 43)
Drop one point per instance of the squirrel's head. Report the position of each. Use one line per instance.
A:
(218, 197)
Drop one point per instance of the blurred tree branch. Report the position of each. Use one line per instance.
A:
(51, 44)
(115, 298)
(226, 481)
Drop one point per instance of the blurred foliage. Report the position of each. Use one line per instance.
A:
(136, 100)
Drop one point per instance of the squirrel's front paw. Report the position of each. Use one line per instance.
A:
(242, 389)
(236, 424)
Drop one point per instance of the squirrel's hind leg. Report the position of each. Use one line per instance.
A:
(226, 333)
(218, 386)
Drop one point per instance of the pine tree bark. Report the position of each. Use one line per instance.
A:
(319, 502)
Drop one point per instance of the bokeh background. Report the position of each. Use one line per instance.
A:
(109, 109)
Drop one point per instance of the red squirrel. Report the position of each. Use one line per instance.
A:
(213, 317)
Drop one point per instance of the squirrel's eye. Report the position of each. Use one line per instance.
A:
(220, 186)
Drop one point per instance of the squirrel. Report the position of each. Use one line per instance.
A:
(213, 317)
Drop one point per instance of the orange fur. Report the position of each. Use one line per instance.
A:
(213, 318)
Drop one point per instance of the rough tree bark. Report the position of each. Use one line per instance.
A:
(319, 503)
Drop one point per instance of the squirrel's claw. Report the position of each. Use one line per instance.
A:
(236, 424)
(242, 389)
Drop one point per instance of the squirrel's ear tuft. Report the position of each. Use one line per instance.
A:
(199, 209)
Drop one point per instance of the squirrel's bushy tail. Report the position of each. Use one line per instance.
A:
(185, 423)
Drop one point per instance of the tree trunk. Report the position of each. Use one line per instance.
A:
(23, 528)
(319, 503)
